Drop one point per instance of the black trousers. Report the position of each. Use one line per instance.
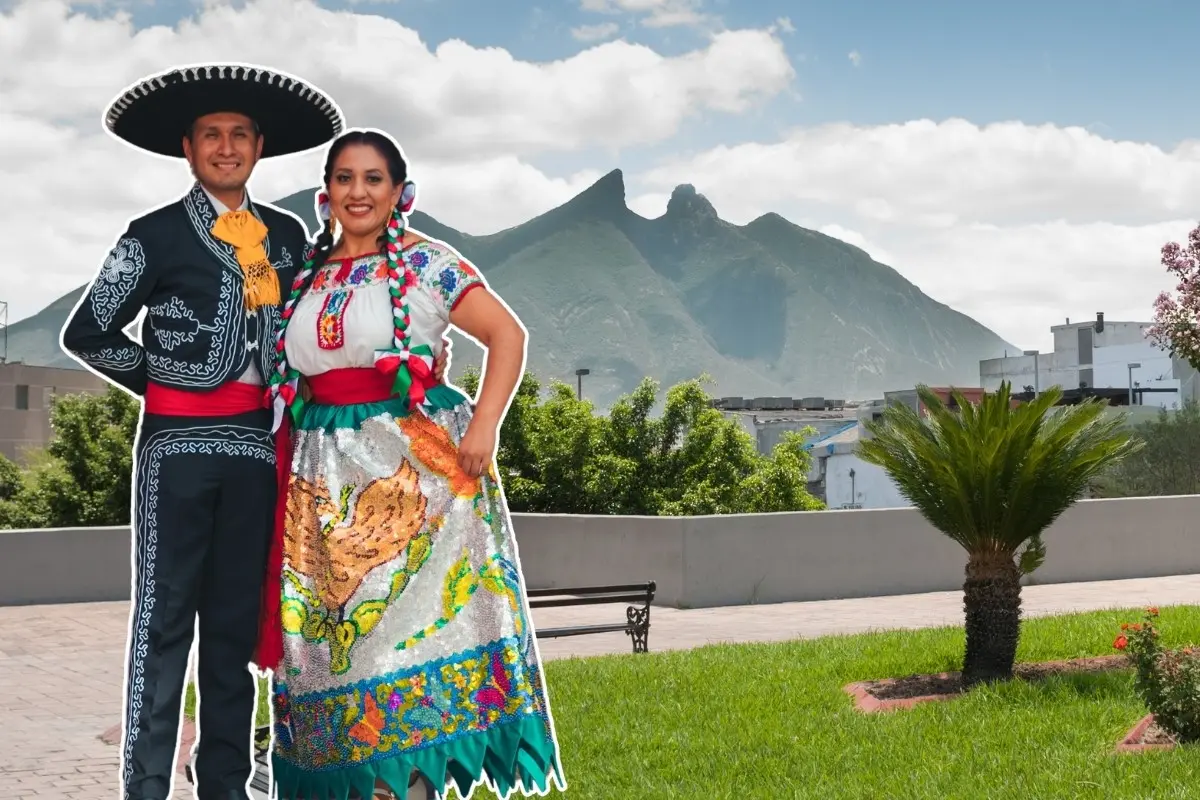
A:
(204, 496)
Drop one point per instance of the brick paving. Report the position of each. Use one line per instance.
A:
(61, 666)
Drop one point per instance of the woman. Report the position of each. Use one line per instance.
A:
(407, 646)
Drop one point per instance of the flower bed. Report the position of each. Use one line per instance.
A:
(1167, 681)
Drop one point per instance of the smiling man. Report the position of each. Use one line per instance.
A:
(211, 270)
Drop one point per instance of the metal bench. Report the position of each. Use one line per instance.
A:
(259, 788)
(637, 619)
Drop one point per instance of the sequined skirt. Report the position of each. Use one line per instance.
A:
(408, 642)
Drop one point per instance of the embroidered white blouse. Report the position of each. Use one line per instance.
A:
(346, 314)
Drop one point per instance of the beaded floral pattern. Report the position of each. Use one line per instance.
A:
(434, 703)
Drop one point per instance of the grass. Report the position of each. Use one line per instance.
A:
(772, 721)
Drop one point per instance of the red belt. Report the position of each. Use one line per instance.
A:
(227, 400)
(345, 387)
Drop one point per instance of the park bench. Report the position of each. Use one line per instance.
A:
(259, 788)
(636, 624)
(637, 619)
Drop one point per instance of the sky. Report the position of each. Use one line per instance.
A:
(1021, 162)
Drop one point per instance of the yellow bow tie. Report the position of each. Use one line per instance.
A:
(245, 234)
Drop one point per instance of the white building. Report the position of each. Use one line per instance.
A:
(1099, 354)
(846, 481)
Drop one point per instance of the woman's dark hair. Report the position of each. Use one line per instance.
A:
(397, 171)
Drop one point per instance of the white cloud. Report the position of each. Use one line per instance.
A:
(469, 118)
(785, 25)
(855, 57)
(653, 13)
(1016, 225)
(595, 33)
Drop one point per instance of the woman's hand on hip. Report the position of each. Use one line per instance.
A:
(439, 363)
(477, 449)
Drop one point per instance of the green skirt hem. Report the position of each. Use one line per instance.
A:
(518, 753)
(316, 417)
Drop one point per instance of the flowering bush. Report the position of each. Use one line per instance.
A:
(1168, 681)
(1177, 318)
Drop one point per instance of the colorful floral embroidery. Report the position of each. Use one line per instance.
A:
(350, 273)
(320, 280)
(449, 278)
(331, 322)
(428, 705)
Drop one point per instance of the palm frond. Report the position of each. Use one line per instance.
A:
(992, 476)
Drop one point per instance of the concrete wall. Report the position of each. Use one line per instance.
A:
(28, 428)
(710, 561)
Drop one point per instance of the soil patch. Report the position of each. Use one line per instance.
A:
(1147, 735)
(897, 693)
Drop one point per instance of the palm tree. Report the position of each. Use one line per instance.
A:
(993, 477)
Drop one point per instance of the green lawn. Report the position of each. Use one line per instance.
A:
(771, 721)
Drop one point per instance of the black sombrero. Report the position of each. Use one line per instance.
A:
(293, 116)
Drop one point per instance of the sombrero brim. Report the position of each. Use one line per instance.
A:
(291, 115)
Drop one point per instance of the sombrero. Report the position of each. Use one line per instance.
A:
(292, 116)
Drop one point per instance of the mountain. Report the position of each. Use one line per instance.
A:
(34, 340)
(766, 308)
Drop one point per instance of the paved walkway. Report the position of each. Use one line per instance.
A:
(61, 666)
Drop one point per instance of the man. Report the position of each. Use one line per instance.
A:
(212, 281)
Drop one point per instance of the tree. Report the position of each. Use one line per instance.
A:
(1176, 325)
(85, 477)
(558, 456)
(993, 477)
(1169, 462)
(13, 511)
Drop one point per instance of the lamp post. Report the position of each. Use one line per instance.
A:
(1132, 367)
(1036, 385)
(579, 373)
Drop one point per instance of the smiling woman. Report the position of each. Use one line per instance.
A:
(406, 659)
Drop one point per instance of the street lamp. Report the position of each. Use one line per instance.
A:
(579, 373)
(1132, 367)
(1036, 385)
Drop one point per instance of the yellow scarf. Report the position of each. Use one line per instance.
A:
(243, 231)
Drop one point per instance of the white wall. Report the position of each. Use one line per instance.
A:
(1019, 372)
(711, 561)
(1120, 344)
(870, 488)
(1110, 369)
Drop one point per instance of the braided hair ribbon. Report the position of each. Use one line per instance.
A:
(283, 389)
(410, 368)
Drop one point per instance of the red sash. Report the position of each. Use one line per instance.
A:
(345, 387)
(269, 652)
(226, 400)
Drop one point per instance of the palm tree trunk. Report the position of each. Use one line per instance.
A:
(992, 601)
